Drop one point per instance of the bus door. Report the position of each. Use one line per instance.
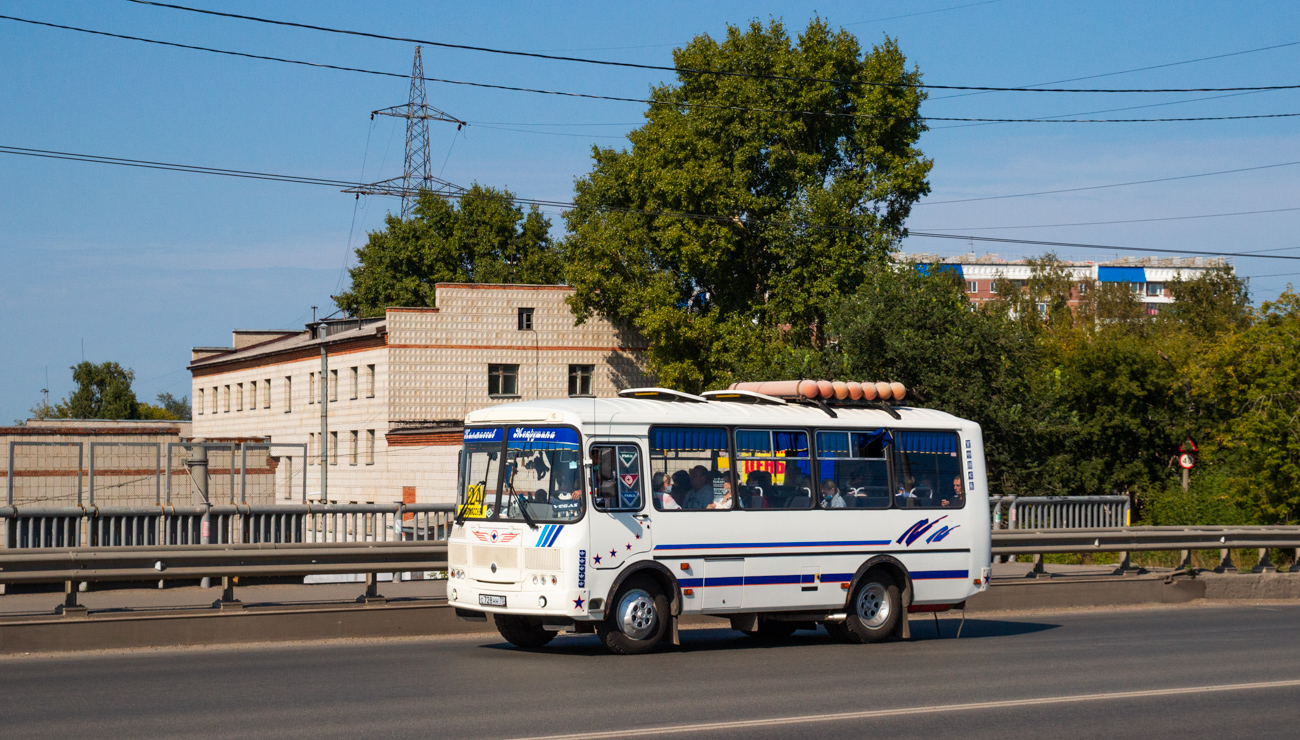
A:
(619, 529)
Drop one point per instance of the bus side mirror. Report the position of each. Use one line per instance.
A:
(607, 465)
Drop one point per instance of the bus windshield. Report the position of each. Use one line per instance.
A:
(521, 474)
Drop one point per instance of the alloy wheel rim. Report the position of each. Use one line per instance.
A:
(636, 614)
(873, 605)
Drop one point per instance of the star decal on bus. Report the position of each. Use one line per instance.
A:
(596, 559)
(577, 603)
(629, 545)
(613, 553)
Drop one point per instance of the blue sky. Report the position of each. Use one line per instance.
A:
(142, 264)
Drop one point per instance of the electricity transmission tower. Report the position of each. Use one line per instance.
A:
(417, 172)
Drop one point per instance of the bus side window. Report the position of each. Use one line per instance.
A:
(616, 477)
(929, 471)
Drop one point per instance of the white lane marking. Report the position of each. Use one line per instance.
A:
(868, 714)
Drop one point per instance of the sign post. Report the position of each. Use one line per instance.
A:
(1187, 461)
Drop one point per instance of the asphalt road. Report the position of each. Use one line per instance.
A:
(1150, 673)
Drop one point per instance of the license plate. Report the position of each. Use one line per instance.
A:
(491, 600)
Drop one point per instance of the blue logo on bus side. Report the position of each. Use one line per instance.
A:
(918, 530)
(582, 569)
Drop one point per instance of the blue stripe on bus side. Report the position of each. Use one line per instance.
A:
(542, 537)
(929, 575)
(917, 575)
(837, 543)
(555, 534)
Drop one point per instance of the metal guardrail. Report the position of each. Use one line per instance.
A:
(1125, 540)
(165, 525)
(74, 566)
(1058, 512)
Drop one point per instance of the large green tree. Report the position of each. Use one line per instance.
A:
(746, 206)
(103, 392)
(482, 238)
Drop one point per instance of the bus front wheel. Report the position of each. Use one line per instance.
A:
(874, 610)
(524, 632)
(638, 619)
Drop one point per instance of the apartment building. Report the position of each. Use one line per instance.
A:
(397, 388)
(1148, 277)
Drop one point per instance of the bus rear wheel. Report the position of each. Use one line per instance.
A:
(524, 632)
(874, 610)
(637, 620)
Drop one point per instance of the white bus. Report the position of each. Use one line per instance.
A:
(617, 516)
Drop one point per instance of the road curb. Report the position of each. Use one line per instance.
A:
(425, 618)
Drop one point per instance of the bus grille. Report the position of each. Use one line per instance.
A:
(541, 558)
(504, 557)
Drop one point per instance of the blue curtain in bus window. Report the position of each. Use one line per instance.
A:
(934, 443)
(865, 443)
(832, 444)
(751, 443)
(543, 438)
(793, 444)
(688, 438)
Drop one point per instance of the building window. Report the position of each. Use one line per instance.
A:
(370, 447)
(252, 395)
(370, 381)
(525, 319)
(1155, 289)
(288, 477)
(352, 447)
(973, 286)
(334, 385)
(1139, 288)
(227, 399)
(355, 382)
(288, 393)
(311, 448)
(580, 379)
(1042, 309)
(311, 388)
(503, 380)
(198, 401)
(239, 396)
(1083, 289)
(334, 448)
(215, 401)
(1153, 309)
(993, 286)
(266, 393)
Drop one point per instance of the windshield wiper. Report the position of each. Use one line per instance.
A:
(523, 507)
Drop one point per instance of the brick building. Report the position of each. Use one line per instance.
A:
(399, 386)
(1148, 277)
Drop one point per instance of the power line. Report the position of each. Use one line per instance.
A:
(1125, 221)
(98, 159)
(1105, 247)
(1141, 69)
(690, 71)
(1112, 185)
(738, 108)
(923, 12)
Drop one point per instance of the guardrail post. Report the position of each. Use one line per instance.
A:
(1037, 571)
(70, 608)
(1184, 559)
(228, 600)
(1295, 564)
(1225, 562)
(1265, 564)
(1125, 567)
(372, 597)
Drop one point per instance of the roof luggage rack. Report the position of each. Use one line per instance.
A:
(661, 394)
(734, 396)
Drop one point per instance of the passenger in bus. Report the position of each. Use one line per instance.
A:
(758, 482)
(704, 495)
(831, 496)
(906, 496)
(662, 496)
(957, 497)
(681, 487)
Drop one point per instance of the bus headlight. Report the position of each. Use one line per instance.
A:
(541, 601)
(453, 594)
(552, 580)
(534, 580)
